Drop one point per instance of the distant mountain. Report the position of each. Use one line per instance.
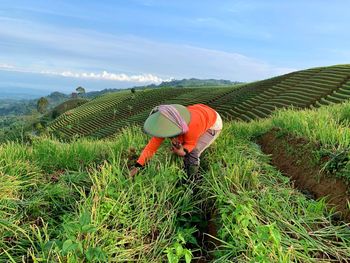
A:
(193, 82)
(26, 106)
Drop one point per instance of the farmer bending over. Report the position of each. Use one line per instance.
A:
(191, 130)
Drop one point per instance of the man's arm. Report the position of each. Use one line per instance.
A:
(147, 153)
(150, 149)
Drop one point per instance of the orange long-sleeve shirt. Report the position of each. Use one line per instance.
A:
(202, 118)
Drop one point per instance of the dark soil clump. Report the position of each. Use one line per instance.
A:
(294, 158)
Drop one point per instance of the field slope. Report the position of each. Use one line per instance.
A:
(74, 202)
(106, 115)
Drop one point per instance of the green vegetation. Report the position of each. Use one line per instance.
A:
(24, 118)
(106, 115)
(17, 128)
(274, 189)
(42, 105)
(22, 107)
(80, 91)
(74, 202)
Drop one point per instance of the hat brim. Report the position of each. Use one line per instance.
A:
(158, 125)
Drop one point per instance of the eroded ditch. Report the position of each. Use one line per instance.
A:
(205, 223)
(294, 158)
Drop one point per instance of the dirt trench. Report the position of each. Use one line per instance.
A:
(293, 157)
(206, 229)
(205, 221)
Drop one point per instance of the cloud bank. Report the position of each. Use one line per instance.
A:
(104, 75)
(143, 78)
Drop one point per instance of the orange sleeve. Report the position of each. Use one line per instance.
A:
(150, 149)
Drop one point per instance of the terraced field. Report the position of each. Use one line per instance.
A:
(106, 115)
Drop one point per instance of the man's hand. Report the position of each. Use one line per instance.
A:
(178, 150)
(133, 172)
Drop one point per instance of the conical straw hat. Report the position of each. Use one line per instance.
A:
(158, 125)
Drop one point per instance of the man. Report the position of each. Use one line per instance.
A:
(191, 130)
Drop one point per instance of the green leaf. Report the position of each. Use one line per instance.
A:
(95, 254)
(178, 248)
(88, 229)
(89, 254)
(181, 238)
(49, 245)
(172, 258)
(68, 246)
(276, 236)
(85, 219)
(72, 228)
(80, 248)
(188, 256)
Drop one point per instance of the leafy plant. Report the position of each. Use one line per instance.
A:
(177, 251)
(336, 159)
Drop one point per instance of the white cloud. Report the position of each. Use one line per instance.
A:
(104, 75)
(6, 66)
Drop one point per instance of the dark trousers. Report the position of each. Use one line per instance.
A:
(192, 159)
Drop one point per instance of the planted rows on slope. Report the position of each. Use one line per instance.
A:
(106, 115)
(302, 89)
(85, 111)
(108, 109)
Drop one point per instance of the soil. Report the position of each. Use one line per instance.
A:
(132, 157)
(294, 158)
(205, 239)
(55, 176)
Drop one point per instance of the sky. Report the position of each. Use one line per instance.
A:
(59, 45)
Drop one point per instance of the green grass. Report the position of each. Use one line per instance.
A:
(262, 218)
(74, 202)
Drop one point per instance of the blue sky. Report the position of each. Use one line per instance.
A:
(58, 45)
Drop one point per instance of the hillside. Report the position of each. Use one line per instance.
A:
(107, 114)
(26, 106)
(193, 82)
(74, 202)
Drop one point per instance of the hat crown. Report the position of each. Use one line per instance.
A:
(161, 123)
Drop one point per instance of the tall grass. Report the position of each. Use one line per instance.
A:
(74, 202)
(328, 127)
(261, 218)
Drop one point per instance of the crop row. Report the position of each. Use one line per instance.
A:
(123, 111)
(299, 90)
(106, 115)
(252, 109)
(86, 110)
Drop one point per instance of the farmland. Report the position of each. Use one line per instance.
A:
(105, 116)
(274, 189)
